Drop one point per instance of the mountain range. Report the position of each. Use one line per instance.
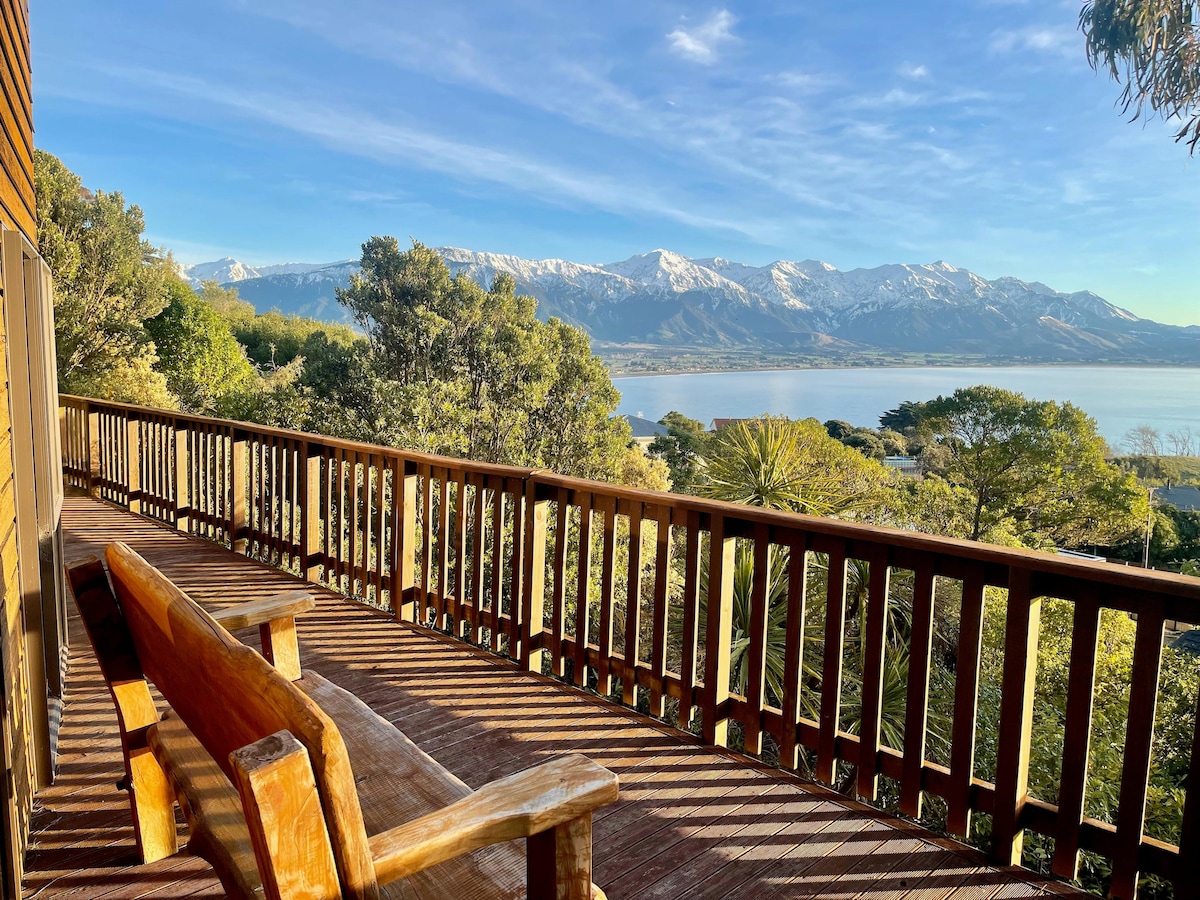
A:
(664, 299)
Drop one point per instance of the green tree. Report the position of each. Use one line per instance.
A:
(457, 369)
(681, 448)
(107, 282)
(791, 465)
(197, 352)
(1038, 464)
(1152, 48)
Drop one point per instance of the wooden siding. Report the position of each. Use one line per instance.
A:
(23, 713)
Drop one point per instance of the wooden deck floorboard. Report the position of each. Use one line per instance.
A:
(691, 822)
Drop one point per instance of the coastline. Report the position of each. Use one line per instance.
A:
(964, 364)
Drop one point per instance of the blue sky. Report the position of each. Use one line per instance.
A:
(966, 130)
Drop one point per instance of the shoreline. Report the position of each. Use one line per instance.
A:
(1016, 364)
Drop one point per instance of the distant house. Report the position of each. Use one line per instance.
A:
(905, 465)
(1185, 497)
(718, 424)
(644, 431)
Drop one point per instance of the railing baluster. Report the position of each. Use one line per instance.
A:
(378, 469)
(516, 569)
(497, 560)
(1186, 884)
(793, 651)
(404, 540)
(1138, 750)
(558, 603)
(533, 576)
(443, 544)
(460, 551)
(756, 657)
(582, 597)
(916, 712)
(477, 559)
(874, 649)
(662, 583)
(133, 463)
(633, 605)
(719, 633)
(1016, 715)
(604, 639)
(966, 705)
(831, 671)
(691, 618)
(238, 475)
(1081, 688)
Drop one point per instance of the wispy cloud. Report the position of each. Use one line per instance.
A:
(916, 73)
(699, 44)
(1057, 40)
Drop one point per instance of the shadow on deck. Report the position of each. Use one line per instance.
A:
(691, 822)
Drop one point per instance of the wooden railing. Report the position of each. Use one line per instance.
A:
(493, 554)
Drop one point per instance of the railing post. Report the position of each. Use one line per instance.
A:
(533, 584)
(92, 440)
(404, 541)
(133, 461)
(183, 495)
(310, 510)
(1016, 715)
(239, 536)
(719, 632)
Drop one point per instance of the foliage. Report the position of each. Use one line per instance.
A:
(107, 281)
(1035, 466)
(907, 416)
(792, 465)
(455, 369)
(198, 354)
(682, 449)
(1152, 47)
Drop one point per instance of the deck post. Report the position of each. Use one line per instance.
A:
(533, 584)
(183, 497)
(404, 541)
(310, 510)
(1022, 621)
(133, 461)
(239, 536)
(719, 635)
(94, 472)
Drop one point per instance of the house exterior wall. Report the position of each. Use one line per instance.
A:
(31, 626)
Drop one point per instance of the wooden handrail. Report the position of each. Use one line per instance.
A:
(542, 568)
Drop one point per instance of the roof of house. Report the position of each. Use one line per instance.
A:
(718, 424)
(1189, 642)
(644, 428)
(1181, 497)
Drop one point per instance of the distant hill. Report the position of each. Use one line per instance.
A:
(664, 299)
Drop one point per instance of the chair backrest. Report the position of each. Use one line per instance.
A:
(229, 696)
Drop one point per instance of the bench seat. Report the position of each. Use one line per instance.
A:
(293, 787)
(397, 782)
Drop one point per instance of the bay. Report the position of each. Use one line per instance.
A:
(1118, 397)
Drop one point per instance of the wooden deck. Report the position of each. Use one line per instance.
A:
(691, 822)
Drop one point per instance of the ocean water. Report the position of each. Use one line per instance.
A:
(1118, 397)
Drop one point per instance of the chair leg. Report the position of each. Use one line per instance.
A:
(558, 862)
(153, 805)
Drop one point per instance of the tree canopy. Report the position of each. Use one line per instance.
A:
(1152, 48)
(1036, 467)
(107, 282)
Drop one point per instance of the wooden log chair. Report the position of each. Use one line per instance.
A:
(291, 786)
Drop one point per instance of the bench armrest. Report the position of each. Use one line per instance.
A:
(260, 612)
(276, 621)
(519, 806)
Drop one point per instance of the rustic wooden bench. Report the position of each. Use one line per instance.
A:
(291, 786)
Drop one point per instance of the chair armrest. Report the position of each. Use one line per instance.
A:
(519, 806)
(260, 612)
(276, 621)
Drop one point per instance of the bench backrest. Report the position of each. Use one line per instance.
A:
(229, 696)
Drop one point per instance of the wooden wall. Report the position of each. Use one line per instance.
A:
(24, 727)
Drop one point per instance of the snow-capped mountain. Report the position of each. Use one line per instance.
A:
(667, 299)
